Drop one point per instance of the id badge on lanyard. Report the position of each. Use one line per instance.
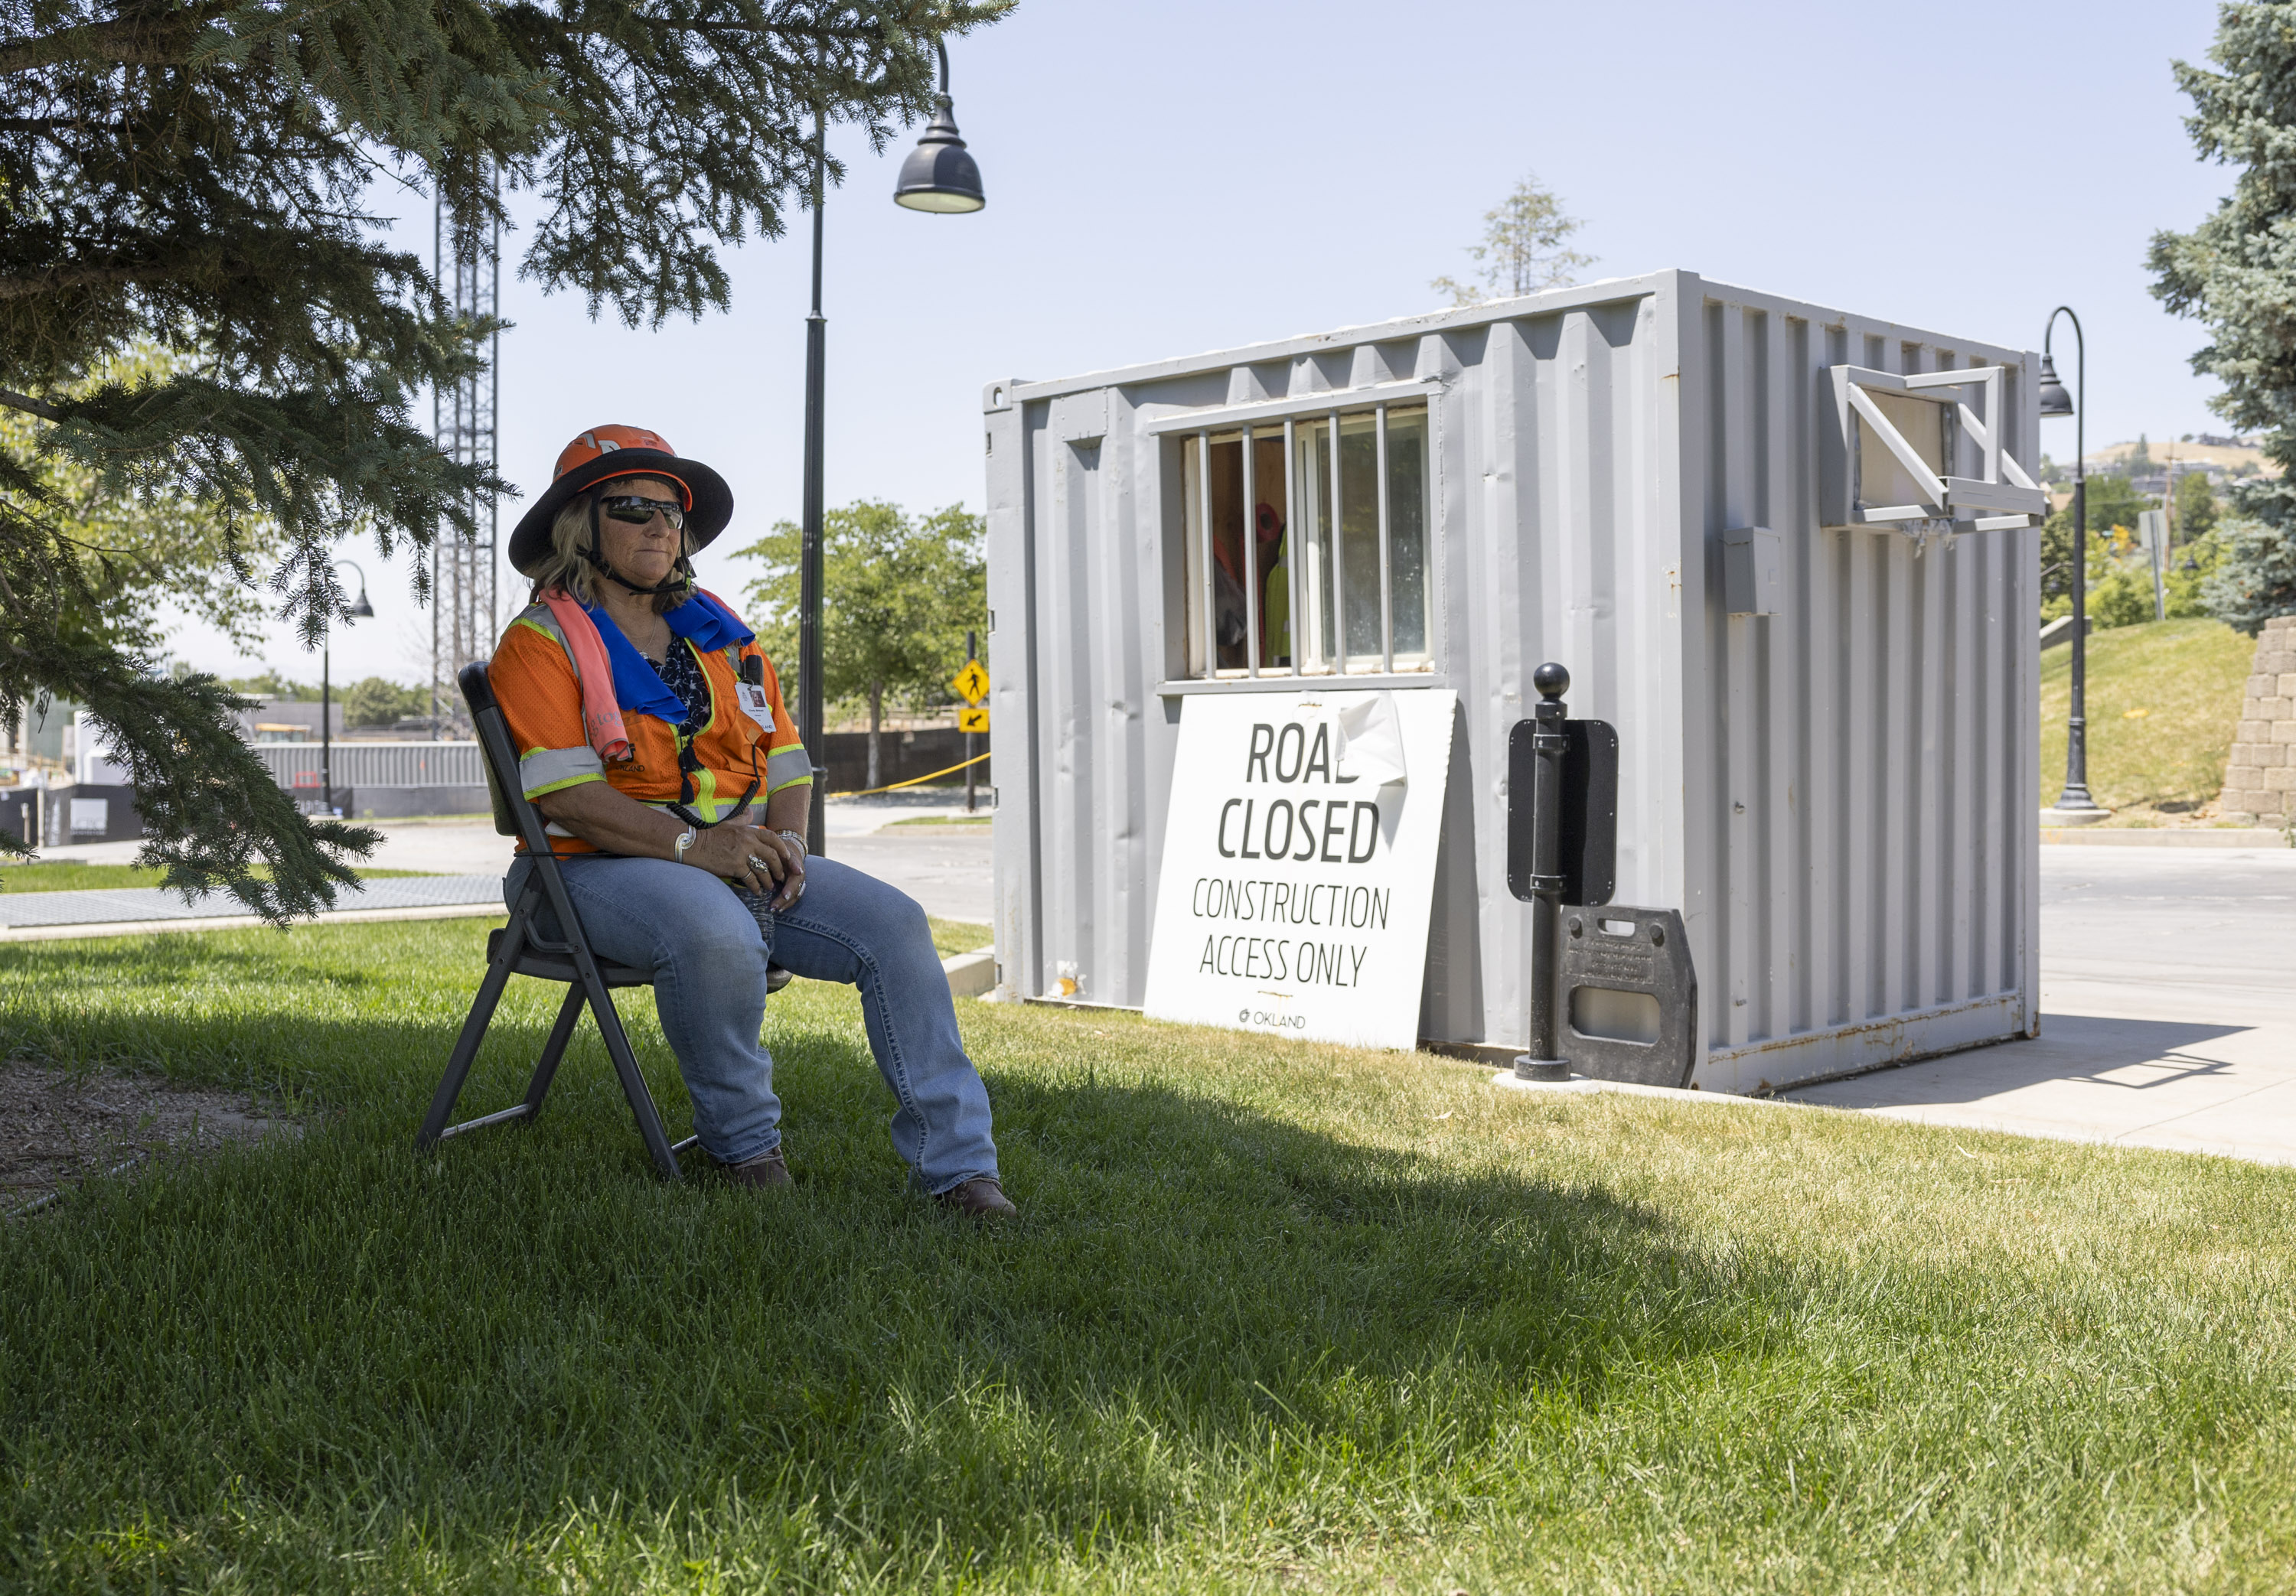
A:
(754, 703)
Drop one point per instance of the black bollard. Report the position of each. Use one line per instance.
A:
(1545, 1060)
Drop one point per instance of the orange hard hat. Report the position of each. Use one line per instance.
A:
(608, 454)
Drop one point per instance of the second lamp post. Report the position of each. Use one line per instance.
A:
(2074, 802)
(359, 610)
(940, 175)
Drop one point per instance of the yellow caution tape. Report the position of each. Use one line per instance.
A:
(914, 781)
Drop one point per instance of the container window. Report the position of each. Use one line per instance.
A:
(1883, 480)
(1327, 592)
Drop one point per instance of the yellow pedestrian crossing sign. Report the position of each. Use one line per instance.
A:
(971, 685)
(972, 720)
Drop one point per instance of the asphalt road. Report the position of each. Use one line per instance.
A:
(2179, 933)
(2168, 1012)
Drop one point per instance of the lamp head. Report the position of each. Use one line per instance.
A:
(940, 174)
(361, 609)
(2054, 400)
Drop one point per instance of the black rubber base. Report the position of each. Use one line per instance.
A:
(1528, 1068)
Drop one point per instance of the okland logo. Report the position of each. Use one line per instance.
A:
(1291, 1022)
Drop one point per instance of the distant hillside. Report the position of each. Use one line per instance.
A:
(2224, 457)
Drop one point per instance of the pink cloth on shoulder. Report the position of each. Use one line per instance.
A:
(602, 715)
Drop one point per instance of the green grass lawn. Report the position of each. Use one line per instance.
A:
(2163, 701)
(69, 875)
(945, 820)
(1279, 1317)
(961, 935)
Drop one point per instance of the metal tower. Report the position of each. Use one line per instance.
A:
(465, 612)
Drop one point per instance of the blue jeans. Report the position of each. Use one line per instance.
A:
(708, 947)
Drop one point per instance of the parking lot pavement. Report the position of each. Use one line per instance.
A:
(945, 868)
(2169, 1013)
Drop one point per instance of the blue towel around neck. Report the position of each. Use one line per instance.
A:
(702, 620)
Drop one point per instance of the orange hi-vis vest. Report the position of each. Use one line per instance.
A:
(534, 679)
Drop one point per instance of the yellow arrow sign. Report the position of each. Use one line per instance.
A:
(971, 682)
(972, 720)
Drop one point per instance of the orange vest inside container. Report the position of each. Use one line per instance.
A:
(534, 678)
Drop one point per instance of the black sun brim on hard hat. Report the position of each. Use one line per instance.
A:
(709, 501)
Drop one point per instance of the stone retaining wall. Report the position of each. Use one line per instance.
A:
(2259, 786)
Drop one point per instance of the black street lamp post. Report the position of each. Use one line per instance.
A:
(938, 175)
(359, 610)
(2056, 402)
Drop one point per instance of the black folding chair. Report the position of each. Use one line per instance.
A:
(518, 949)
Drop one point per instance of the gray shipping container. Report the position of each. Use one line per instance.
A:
(1776, 545)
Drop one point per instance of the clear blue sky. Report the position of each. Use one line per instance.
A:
(1181, 177)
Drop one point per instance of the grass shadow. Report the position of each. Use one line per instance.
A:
(528, 1320)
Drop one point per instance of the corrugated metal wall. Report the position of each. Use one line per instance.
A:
(1862, 832)
(1839, 796)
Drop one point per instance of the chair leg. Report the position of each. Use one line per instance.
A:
(466, 1045)
(546, 1068)
(626, 1066)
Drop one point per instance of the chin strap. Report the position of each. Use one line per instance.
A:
(681, 575)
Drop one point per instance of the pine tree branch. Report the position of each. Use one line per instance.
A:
(28, 406)
(62, 279)
(140, 41)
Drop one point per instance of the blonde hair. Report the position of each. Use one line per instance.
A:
(567, 565)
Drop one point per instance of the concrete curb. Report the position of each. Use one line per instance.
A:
(240, 922)
(2166, 837)
(970, 974)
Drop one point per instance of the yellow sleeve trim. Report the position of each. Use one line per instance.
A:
(536, 793)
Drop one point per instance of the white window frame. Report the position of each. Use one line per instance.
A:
(1199, 425)
(2002, 496)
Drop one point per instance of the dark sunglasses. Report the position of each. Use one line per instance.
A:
(638, 510)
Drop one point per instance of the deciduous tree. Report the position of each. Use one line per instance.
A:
(2113, 504)
(899, 594)
(1523, 250)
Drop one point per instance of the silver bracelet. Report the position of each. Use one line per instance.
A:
(684, 840)
(797, 838)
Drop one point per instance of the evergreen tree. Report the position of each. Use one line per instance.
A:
(202, 174)
(2236, 273)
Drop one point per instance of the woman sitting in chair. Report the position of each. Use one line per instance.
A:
(656, 745)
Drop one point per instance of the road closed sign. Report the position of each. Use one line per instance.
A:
(1299, 865)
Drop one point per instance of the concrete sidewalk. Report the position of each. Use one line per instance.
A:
(2169, 1013)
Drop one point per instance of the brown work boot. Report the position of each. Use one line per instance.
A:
(981, 1196)
(767, 1171)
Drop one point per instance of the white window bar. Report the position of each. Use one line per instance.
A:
(1293, 564)
(1386, 560)
(1248, 558)
(1317, 629)
(1338, 559)
(1204, 547)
